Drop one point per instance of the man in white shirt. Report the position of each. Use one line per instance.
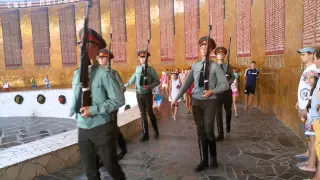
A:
(307, 58)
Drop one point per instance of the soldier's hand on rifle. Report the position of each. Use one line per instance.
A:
(85, 111)
(145, 87)
(207, 93)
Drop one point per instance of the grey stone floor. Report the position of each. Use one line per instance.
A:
(258, 147)
(20, 130)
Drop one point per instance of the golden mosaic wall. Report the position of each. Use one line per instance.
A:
(277, 87)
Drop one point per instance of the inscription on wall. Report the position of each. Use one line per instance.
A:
(143, 26)
(118, 23)
(94, 16)
(311, 23)
(41, 36)
(12, 42)
(275, 26)
(68, 35)
(167, 31)
(191, 30)
(243, 28)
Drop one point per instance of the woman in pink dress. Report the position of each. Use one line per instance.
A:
(164, 83)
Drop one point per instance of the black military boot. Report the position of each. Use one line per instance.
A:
(145, 134)
(122, 145)
(220, 137)
(213, 154)
(203, 148)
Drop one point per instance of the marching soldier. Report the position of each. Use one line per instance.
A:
(225, 98)
(103, 60)
(205, 102)
(144, 94)
(97, 133)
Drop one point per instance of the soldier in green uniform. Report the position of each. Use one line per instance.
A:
(144, 94)
(97, 131)
(225, 98)
(205, 102)
(103, 60)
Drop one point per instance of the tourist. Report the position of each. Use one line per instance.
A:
(234, 88)
(96, 129)
(307, 58)
(33, 83)
(174, 86)
(311, 78)
(6, 87)
(157, 100)
(189, 94)
(47, 82)
(144, 94)
(251, 75)
(164, 83)
(103, 60)
(204, 101)
(225, 98)
(315, 111)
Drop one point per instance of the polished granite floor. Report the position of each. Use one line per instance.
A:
(258, 147)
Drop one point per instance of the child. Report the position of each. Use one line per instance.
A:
(174, 86)
(311, 78)
(157, 99)
(234, 88)
(251, 76)
(189, 95)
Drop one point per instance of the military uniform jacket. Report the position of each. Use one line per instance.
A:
(230, 77)
(107, 97)
(217, 81)
(153, 79)
(117, 76)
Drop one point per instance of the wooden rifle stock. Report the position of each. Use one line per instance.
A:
(228, 59)
(84, 93)
(207, 68)
(145, 73)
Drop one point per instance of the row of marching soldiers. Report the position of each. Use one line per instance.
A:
(97, 124)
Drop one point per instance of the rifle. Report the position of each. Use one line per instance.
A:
(109, 59)
(207, 68)
(228, 58)
(84, 98)
(145, 73)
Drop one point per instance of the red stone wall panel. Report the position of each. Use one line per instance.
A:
(243, 28)
(118, 23)
(191, 29)
(142, 15)
(166, 31)
(41, 36)
(310, 19)
(317, 25)
(12, 42)
(94, 16)
(275, 24)
(68, 35)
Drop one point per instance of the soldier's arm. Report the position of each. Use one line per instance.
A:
(231, 75)
(187, 83)
(115, 96)
(222, 82)
(131, 80)
(73, 102)
(119, 79)
(155, 79)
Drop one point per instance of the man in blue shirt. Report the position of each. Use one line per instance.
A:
(251, 75)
